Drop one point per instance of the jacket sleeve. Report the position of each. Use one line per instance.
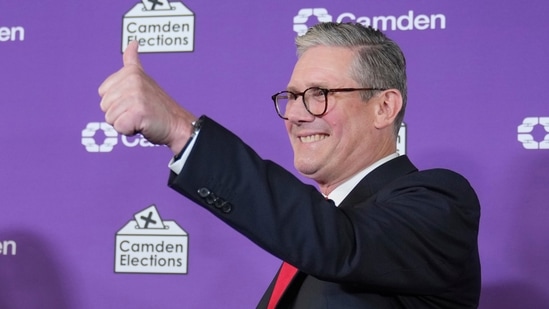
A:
(413, 235)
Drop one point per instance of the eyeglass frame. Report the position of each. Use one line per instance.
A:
(324, 90)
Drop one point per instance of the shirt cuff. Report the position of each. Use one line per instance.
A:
(176, 163)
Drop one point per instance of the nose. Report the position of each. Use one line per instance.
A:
(297, 113)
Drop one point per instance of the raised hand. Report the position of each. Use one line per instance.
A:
(134, 103)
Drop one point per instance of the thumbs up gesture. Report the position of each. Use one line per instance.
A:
(134, 103)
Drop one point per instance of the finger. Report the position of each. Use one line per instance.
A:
(108, 100)
(105, 85)
(124, 125)
(114, 113)
(104, 104)
(124, 119)
(131, 56)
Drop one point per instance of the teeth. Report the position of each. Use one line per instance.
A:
(312, 138)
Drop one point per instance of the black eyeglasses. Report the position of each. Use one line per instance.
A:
(315, 99)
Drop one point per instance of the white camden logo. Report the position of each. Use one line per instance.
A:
(88, 137)
(303, 15)
(409, 21)
(93, 143)
(526, 128)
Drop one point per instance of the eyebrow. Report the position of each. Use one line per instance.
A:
(291, 89)
(294, 89)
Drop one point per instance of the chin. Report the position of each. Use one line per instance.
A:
(306, 169)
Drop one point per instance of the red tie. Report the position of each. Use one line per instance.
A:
(285, 276)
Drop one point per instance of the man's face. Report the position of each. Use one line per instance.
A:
(331, 148)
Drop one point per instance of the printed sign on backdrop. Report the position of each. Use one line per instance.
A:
(159, 26)
(403, 22)
(8, 247)
(526, 132)
(149, 244)
(101, 137)
(12, 33)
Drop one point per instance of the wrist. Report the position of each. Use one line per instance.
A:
(190, 135)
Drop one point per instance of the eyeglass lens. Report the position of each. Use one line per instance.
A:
(314, 100)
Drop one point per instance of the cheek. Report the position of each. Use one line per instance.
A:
(338, 122)
(352, 129)
(287, 125)
(288, 128)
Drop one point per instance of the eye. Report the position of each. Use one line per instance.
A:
(316, 92)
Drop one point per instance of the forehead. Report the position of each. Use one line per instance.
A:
(323, 66)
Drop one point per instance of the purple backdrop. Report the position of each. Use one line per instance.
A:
(477, 72)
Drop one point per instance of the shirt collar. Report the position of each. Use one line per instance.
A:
(339, 193)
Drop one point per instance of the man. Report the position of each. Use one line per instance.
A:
(391, 236)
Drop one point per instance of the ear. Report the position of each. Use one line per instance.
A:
(388, 105)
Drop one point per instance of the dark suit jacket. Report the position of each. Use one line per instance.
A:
(401, 239)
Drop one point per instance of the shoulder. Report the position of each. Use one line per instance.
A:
(432, 186)
(436, 177)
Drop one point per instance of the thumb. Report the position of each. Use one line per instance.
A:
(131, 56)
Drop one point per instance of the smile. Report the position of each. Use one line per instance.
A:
(312, 138)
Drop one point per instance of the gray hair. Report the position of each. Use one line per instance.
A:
(380, 62)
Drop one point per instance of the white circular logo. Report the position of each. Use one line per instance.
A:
(300, 20)
(525, 129)
(88, 137)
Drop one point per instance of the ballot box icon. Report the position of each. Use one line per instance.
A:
(151, 245)
(159, 26)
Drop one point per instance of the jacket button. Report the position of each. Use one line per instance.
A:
(218, 203)
(211, 199)
(226, 208)
(203, 192)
